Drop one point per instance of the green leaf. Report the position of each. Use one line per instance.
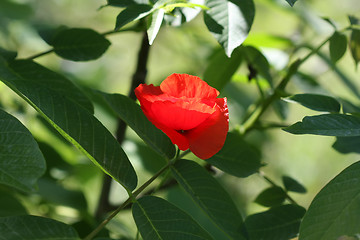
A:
(125, 3)
(355, 40)
(347, 144)
(158, 219)
(271, 196)
(258, 63)
(181, 15)
(132, 13)
(221, 68)
(237, 157)
(339, 125)
(8, 55)
(292, 185)
(337, 46)
(15, 10)
(11, 205)
(34, 72)
(208, 194)
(291, 2)
(131, 113)
(80, 44)
(48, 33)
(334, 212)
(278, 223)
(229, 21)
(75, 123)
(21, 161)
(316, 102)
(52, 192)
(155, 24)
(35, 228)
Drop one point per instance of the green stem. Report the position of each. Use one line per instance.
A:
(40, 54)
(262, 174)
(276, 94)
(128, 201)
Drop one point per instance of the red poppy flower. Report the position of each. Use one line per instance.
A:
(188, 111)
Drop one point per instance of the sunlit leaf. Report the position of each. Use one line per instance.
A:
(316, 102)
(229, 21)
(292, 185)
(35, 228)
(21, 162)
(347, 144)
(208, 194)
(278, 223)
(339, 125)
(74, 123)
(337, 46)
(271, 196)
(131, 113)
(79, 44)
(132, 13)
(181, 15)
(155, 24)
(237, 157)
(334, 212)
(221, 68)
(158, 219)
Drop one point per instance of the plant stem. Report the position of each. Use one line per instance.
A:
(262, 174)
(139, 77)
(128, 201)
(40, 54)
(276, 94)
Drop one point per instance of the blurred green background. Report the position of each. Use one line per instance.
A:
(185, 49)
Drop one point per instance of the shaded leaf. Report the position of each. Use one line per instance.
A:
(347, 144)
(54, 193)
(355, 40)
(35, 228)
(12, 205)
(292, 185)
(74, 123)
(339, 125)
(281, 109)
(38, 74)
(21, 161)
(48, 33)
(334, 212)
(316, 102)
(229, 21)
(258, 62)
(79, 44)
(131, 113)
(125, 3)
(208, 194)
(237, 157)
(155, 24)
(337, 46)
(132, 13)
(8, 55)
(158, 219)
(291, 2)
(272, 196)
(221, 68)
(15, 10)
(278, 223)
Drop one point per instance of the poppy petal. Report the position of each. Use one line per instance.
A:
(188, 86)
(181, 115)
(208, 138)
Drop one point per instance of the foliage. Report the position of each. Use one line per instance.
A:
(52, 123)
